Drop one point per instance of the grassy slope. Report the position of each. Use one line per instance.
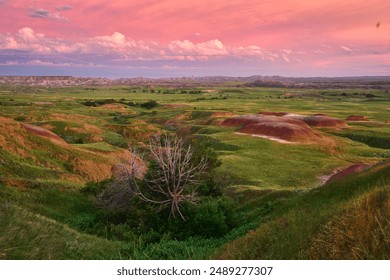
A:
(350, 216)
(345, 219)
(53, 224)
(25, 235)
(268, 164)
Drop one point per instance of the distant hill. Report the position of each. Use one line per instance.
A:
(380, 82)
(369, 82)
(53, 81)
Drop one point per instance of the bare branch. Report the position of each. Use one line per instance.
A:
(170, 181)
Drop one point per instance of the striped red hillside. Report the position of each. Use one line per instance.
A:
(256, 118)
(281, 130)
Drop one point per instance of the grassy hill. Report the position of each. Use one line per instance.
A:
(345, 219)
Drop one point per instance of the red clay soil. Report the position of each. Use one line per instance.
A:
(139, 130)
(43, 133)
(216, 118)
(222, 115)
(15, 138)
(320, 115)
(92, 170)
(256, 118)
(98, 165)
(69, 117)
(284, 131)
(15, 183)
(114, 106)
(184, 131)
(179, 118)
(289, 127)
(322, 121)
(278, 114)
(355, 118)
(356, 168)
(282, 128)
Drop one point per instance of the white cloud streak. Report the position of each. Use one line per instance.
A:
(346, 49)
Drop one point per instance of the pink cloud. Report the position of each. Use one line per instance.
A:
(210, 48)
(28, 35)
(119, 47)
(295, 33)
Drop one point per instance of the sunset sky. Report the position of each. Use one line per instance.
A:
(162, 38)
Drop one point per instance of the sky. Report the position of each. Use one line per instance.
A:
(175, 38)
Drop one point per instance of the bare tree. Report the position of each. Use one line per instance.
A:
(173, 178)
(118, 195)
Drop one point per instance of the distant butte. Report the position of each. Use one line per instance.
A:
(369, 82)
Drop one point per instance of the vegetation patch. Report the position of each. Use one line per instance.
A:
(372, 138)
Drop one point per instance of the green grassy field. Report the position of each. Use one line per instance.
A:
(283, 210)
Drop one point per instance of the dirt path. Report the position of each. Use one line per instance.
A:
(339, 173)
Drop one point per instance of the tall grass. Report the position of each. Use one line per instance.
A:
(296, 229)
(361, 231)
(24, 235)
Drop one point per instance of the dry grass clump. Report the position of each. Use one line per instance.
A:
(361, 232)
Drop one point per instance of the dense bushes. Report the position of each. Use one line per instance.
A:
(99, 102)
(149, 105)
(213, 217)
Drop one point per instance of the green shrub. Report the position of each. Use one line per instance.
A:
(95, 188)
(20, 118)
(115, 139)
(149, 105)
(211, 218)
(84, 223)
(121, 232)
(210, 188)
(370, 139)
(98, 102)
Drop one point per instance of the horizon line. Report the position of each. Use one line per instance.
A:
(196, 76)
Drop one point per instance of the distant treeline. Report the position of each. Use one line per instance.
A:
(100, 102)
(381, 83)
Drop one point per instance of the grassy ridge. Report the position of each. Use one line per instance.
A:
(350, 216)
(63, 224)
(24, 235)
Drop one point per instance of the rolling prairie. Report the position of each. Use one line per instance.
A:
(304, 172)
